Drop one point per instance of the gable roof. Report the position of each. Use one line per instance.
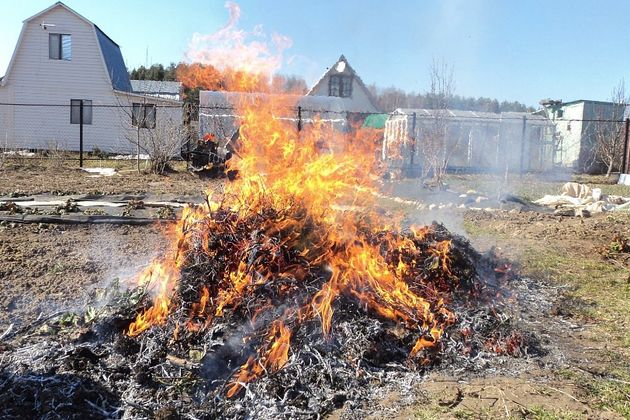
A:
(110, 51)
(57, 4)
(347, 69)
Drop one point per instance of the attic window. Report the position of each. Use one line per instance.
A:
(340, 86)
(60, 47)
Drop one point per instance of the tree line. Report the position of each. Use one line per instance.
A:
(389, 99)
(199, 76)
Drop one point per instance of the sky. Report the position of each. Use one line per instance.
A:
(508, 50)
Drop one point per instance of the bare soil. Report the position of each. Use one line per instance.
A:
(42, 176)
(45, 269)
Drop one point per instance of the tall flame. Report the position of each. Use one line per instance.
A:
(325, 190)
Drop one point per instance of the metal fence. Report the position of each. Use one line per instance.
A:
(83, 126)
(474, 141)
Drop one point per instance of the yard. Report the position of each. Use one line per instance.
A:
(581, 265)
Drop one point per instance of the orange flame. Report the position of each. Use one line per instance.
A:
(324, 183)
(274, 358)
(164, 277)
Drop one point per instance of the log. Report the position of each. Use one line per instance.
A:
(80, 219)
(16, 199)
(92, 203)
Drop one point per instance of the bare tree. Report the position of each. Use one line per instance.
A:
(608, 131)
(155, 129)
(164, 142)
(434, 145)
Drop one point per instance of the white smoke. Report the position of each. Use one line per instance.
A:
(237, 49)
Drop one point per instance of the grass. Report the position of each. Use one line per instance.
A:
(542, 413)
(535, 412)
(610, 392)
(601, 286)
(598, 292)
(595, 282)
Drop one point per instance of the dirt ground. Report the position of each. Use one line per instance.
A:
(48, 269)
(66, 178)
(45, 269)
(572, 255)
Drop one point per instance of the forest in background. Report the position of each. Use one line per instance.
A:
(197, 76)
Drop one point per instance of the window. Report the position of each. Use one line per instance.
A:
(143, 115)
(75, 111)
(560, 113)
(340, 86)
(60, 47)
(346, 87)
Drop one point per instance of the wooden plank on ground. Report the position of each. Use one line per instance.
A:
(81, 219)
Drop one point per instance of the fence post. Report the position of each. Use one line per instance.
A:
(413, 143)
(522, 162)
(624, 163)
(81, 134)
(299, 118)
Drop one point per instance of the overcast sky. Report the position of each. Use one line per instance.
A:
(512, 50)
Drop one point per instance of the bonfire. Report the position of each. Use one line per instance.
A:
(291, 294)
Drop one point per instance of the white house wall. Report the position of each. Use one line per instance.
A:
(168, 121)
(36, 79)
(6, 118)
(569, 130)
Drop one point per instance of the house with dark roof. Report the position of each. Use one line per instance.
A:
(62, 60)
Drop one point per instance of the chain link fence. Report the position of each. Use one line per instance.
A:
(514, 142)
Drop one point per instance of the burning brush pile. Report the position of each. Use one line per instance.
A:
(289, 295)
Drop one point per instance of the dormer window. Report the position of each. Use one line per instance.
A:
(60, 47)
(340, 85)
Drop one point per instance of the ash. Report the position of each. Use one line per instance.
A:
(88, 366)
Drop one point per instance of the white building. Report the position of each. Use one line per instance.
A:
(577, 123)
(341, 81)
(161, 89)
(61, 58)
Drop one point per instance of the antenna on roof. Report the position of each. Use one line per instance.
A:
(45, 25)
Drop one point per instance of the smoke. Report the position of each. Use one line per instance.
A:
(237, 49)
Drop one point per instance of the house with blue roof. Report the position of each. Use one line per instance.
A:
(62, 60)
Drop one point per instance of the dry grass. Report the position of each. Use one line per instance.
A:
(597, 294)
